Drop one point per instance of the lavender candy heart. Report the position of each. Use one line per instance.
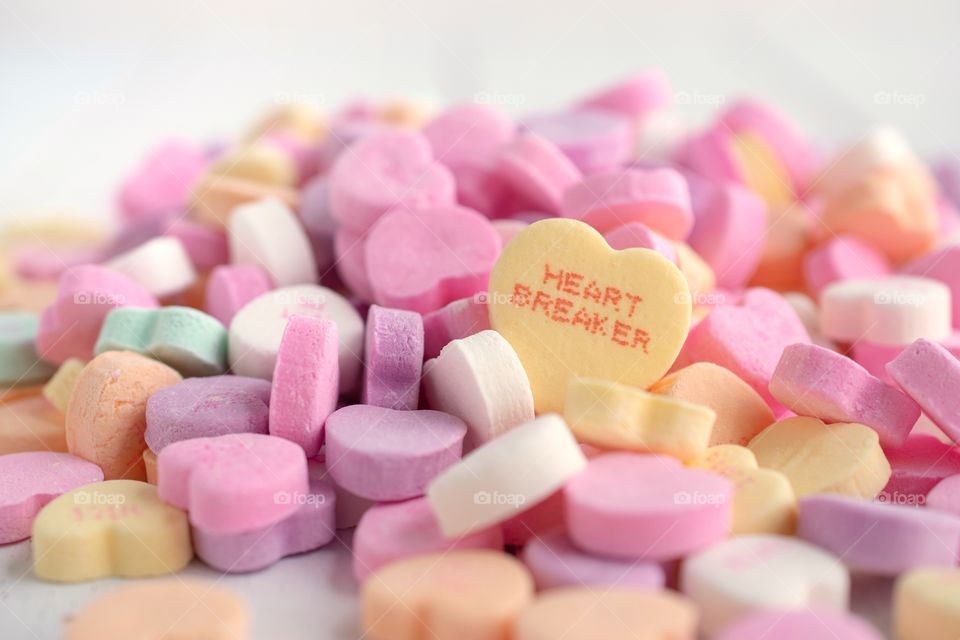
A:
(206, 407)
(310, 527)
(394, 358)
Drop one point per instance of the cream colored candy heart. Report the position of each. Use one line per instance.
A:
(843, 458)
(267, 234)
(926, 604)
(161, 265)
(572, 306)
(259, 162)
(112, 528)
(60, 386)
(764, 501)
(616, 416)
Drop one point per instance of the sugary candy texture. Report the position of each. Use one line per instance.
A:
(306, 381)
(458, 319)
(207, 407)
(112, 528)
(190, 341)
(162, 181)
(231, 287)
(618, 613)
(800, 625)
(393, 531)
(594, 140)
(843, 458)
(659, 199)
(171, 608)
(256, 331)
(745, 574)
(879, 539)
(925, 604)
(763, 501)
(929, 373)
(554, 561)
(31, 480)
(740, 411)
(617, 416)
(916, 468)
(393, 358)
(480, 380)
(267, 234)
(31, 423)
(232, 483)
(19, 362)
(842, 258)
(421, 260)
(572, 306)
(309, 527)
(387, 455)
(85, 295)
(466, 593)
(747, 338)
(506, 476)
(631, 506)
(385, 170)
(161, 265)
(538, 170)
(817, 382)
(106, 414)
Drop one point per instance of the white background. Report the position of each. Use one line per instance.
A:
(86, 87)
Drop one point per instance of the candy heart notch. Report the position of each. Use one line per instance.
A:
(572, 306)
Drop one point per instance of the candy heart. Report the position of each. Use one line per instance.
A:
(188, 340)
(161, 265)
(636, 235)
(917, 466)
(842, 258)
(206, 247)
(231, 287)
(258, 162)
(162, 181)
(112, 528)
(230, 483)
(393, 354)
(58, 389)
(572, 306)
(19, 362)
(925, 604)
(942, 265)
(800, 625)
(156, 610)
(459, 319)
(757, 572)
(634, 96)
(924, 370)
(421, 260)
(31, 424)
(216, 197)
(267, 234)
(31, 480)
(594, 140)
(538, 170)
(384, 170)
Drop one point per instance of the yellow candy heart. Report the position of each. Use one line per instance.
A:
(764, 501)
(763, 170)
(58, 388)
(572, 306)
(926, 604)
(112, 528)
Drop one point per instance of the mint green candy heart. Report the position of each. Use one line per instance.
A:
(19, 362)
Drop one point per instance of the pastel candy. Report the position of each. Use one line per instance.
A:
(842, 258)
(813, 381)
(800, 625)
(306, 381)
(945, 496)
(789, 236)
(747, 574)
(927, 372)
(616, 416)
(231, 287)
(309, 527)
(294, 118)
(206, 247)
(19, 362)
(257, 162)
(448, 252)
(484, 489)
(480, 380)
(58, 389)
(267, 234)
(215, 198)
(917, 466)
(86, 294)
(393, 352)
(348, 248)
(572, 306)
(162, 180)
(538, 170)
(112, 528)
(390, 532)
(385, 170)
(256, 331)
(879, 539)
(631, 506)
(892, 311)
(634, 96)
(942, 265)
(582, 613)
(740, 411)
(185, 339)
(207, 407)
(843, 458)
(106, 415)
(659, 199)
(161, 265)
(636, 235)
(476, 594)
(30, 481)
(31, 424)
(155, 610)
(763, 502)
(594, 140)
(925, 604)
(382, 454)
(555, 562)
(747, 338)
(458, 319)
